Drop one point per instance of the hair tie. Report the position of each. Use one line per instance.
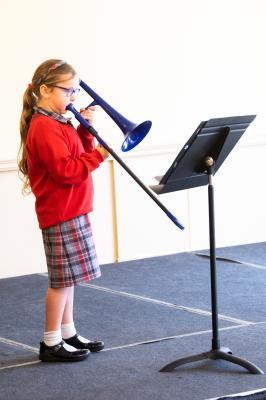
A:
(30, 86)
(56, 65)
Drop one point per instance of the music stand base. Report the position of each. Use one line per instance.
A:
(221, 354)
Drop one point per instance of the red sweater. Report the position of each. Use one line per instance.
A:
(60, 161)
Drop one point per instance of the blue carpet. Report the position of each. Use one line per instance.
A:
(249, 253)
(185, 279)
(115, 319)
(132, 372)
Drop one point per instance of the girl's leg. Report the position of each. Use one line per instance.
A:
(68, 310)
(55, 304)
(68, 327)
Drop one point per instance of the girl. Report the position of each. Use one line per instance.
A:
(56, 161)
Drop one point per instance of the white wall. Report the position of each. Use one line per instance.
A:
(174, 62)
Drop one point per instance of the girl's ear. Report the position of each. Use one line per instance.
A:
(44, 91)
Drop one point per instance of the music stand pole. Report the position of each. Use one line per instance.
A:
(209, 162)
(216, 352)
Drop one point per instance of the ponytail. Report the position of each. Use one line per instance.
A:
(29, 101)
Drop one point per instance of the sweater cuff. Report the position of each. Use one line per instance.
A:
(83, 131)
(98, 155)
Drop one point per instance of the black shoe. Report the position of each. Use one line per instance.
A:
(93, 345)
(59, 353)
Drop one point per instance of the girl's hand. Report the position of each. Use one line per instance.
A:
(88, 114)
(103, 151)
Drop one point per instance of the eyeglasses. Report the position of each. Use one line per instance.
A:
(68, 91)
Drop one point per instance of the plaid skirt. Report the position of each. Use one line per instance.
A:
(70, 252)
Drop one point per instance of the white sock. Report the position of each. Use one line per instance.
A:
(68, 347)
(68, 330)
(52, 338)
(82, 339)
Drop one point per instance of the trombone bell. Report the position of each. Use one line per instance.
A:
(135, 136)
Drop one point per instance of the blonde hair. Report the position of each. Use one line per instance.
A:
(48, 73)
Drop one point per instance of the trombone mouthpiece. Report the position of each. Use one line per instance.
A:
(69, 107)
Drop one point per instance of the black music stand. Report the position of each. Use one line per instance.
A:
(195, 166)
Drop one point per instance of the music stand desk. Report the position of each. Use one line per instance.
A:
(195, 166)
